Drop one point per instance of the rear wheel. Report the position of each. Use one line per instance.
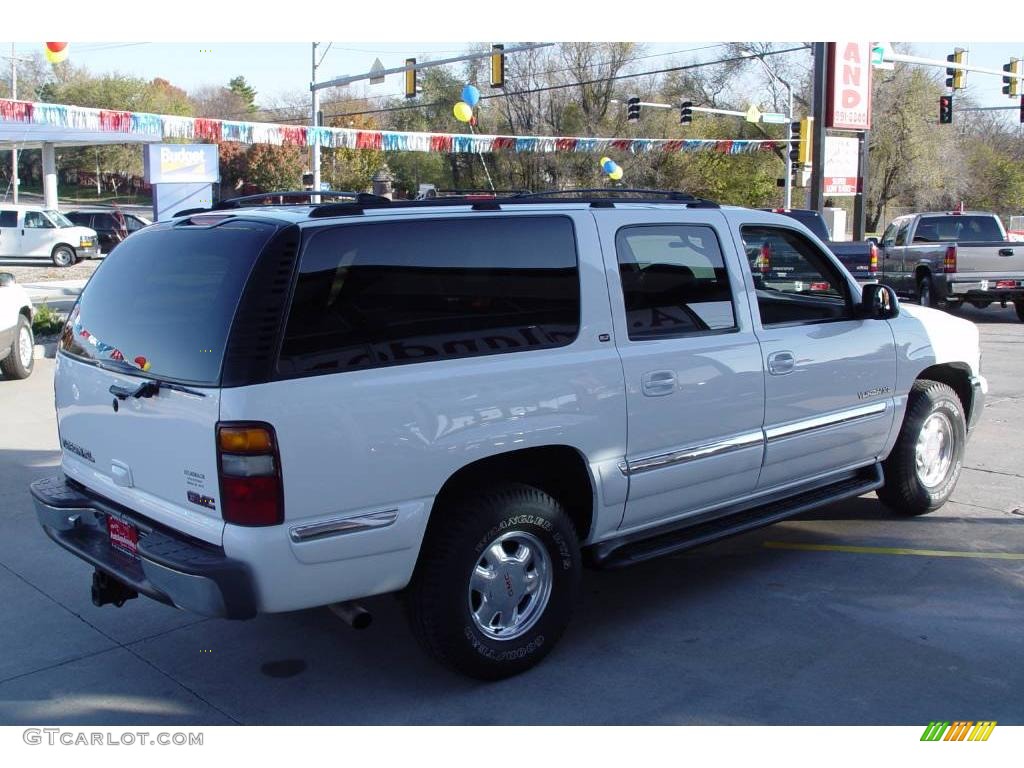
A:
(63, 256)
(1019, 306)
(922, 470)
(925, 294)
(981, 304)
(19, 361)
(496, 583)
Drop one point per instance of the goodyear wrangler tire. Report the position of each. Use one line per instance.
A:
(922, 470)
(496, 581)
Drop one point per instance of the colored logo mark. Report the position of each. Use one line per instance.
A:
(961, 730)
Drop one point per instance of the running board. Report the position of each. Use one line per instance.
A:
(728, 521)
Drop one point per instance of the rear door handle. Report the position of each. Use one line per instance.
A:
(658, 383)
(781, 363)
(1006, 251)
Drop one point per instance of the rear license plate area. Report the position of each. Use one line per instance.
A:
(124, 536)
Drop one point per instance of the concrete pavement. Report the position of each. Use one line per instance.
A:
(738, 632)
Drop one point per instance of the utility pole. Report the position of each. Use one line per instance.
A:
(315, 121)
(817, 198)
(14, 148)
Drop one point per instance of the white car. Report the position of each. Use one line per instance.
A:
(28, 230)
(271, 408)
(16, 342)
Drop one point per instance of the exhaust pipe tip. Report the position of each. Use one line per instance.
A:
(352, 613)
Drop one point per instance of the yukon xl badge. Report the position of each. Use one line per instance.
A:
(873, 393)
(77, 450)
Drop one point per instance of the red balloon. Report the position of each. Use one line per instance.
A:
(56, 47)
(472, 120)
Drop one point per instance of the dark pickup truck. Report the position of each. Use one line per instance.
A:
(948, 259)
(860, 257)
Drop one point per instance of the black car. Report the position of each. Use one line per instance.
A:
(109, 228)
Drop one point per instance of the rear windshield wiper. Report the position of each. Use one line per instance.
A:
(147, 388)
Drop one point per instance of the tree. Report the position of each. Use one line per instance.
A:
(220, 102)
(270, 167)
(238, 86)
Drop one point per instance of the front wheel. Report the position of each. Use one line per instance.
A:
(922, 470)
(63, 256)
(496, 582)
(20, 360)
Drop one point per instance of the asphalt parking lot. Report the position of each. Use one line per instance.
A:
(779, 626)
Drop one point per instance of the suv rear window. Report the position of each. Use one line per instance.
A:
(166, 298)
(410, 291)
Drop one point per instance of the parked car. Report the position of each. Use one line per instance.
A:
(111, 226)
(860, 257)
(952, 258)
(461, 399)
(28, 230)
(16, 342)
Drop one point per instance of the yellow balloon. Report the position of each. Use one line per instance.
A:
(55, 57)
(463, 112)
(615, 175)
(604, 160)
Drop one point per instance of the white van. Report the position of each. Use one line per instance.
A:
(33, 231)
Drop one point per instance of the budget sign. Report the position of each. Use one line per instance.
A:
(848, 105)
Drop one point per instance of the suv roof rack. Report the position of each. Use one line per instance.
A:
(597, 198)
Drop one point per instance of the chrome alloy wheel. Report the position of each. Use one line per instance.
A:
(510, 585)
(25, 347)
(934, 451)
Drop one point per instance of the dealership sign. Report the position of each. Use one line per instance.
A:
(181, 163)
(842, 155)
(848, 106)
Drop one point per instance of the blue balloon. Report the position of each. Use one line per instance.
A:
(608, 167)
(471, 95)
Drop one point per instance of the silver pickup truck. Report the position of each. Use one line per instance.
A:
(947, 259)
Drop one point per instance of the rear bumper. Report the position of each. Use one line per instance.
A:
(168, 568)
(985, 289)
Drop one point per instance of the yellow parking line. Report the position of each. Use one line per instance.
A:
(892, 550)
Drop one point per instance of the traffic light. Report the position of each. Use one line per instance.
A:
(410, 78)
(946, 109)
(633, 109)
(956, 78)
(800, 150)
(1012, 84)
(686, 113)
(497, 66)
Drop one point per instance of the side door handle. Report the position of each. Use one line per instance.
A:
(781, 363)
(1006, 251)
(658, 383)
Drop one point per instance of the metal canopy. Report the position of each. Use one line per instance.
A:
(32, 136)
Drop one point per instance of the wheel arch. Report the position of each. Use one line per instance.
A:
(559, 470)
(957, 376)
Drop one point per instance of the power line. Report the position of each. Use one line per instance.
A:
(544, 89)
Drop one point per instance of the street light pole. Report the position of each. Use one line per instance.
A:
(14, 149)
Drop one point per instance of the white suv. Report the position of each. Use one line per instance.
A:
(272, 408)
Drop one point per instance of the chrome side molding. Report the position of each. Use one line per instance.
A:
(343, 525)
(692, 453)
(829, 420)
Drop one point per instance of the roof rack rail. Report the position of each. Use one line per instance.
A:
(671, 194)
(299, 195)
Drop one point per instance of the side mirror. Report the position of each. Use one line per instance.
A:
(6, 278)
(878, 302)
(873, 240)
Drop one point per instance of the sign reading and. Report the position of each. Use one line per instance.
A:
(848, 105)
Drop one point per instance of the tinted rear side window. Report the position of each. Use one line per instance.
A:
(166, 298)
(8, 218)
(411, 291)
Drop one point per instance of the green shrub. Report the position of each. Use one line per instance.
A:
(46, 322)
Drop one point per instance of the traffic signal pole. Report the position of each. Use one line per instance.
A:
(859, 209)
(817, 199)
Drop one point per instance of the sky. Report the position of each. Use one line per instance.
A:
(276, 70)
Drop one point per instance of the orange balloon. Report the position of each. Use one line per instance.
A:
(56, 47)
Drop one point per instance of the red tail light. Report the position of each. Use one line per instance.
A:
(873, 262)
(949, 262)
(764, 259)
(249, 466)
